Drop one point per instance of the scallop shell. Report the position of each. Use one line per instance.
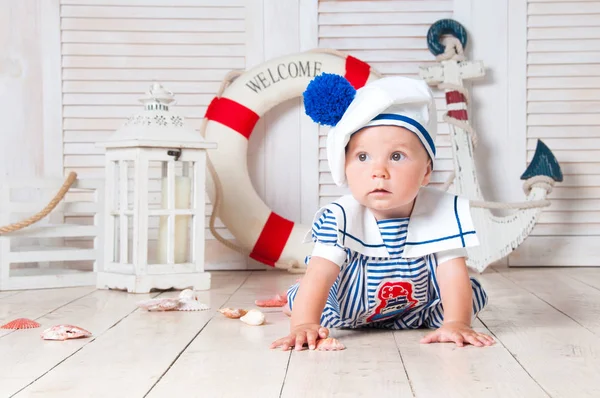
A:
(188, 294)
(254, 318)
(160, 304)
(21, 323)
(233, 313)
(329, 344)
(192, 305)
(276, 301)
(64, 332)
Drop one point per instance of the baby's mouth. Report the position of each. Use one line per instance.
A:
(380, 190)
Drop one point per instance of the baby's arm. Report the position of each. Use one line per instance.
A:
(309, 303)
(457, 300)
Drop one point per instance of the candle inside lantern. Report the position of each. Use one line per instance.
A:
(182, 201)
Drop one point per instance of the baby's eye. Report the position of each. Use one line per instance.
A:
(397, 156)
(362, 157)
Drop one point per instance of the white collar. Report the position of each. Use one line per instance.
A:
(439, 221)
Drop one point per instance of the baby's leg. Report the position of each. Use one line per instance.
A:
(436, 314)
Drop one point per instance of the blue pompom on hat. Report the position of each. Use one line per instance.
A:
(327, 97)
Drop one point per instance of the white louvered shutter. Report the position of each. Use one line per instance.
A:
(112, 51)
(563, 110)
(392, 37)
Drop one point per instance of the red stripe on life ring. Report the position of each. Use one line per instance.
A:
(272, 239)
(357, 72)
(233, 115)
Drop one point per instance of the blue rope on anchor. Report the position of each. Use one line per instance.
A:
(445, 27)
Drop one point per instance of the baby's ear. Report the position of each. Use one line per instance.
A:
(427, 176)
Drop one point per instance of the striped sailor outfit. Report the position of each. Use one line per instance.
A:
(388, 268)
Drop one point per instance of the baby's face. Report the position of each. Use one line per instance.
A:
(385, 167)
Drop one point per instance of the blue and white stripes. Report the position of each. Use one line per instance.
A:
(391, 292)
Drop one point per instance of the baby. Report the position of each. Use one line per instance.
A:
(392, 254)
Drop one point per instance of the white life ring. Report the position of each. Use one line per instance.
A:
(229, 121)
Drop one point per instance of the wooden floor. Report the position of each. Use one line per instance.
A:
(546, 321)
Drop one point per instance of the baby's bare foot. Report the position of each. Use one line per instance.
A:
(329, 344)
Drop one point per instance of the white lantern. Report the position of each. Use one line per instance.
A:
(155, 202)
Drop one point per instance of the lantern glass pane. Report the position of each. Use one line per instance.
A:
(153, 238)
(116, 239)
(124, 185)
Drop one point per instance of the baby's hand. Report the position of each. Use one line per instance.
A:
(458, 333)
(301, 334)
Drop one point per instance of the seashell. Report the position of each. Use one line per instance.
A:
(233, 313)
(253, 318)
(192, 305)
(21, 323)
(329, 344)
(159, 304)
(276, 301)
(188, 294)
(64, 332)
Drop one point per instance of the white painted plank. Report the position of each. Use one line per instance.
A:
(381, 371)
(544, 341)
(34, 304)
(588, 276)
(179, 89)
(559, 131)
(444, 370)
(51, 91)
(549, 58)
(567, 143)
(145, 12)
(565, 230)
(383, 6)
(225, 337)
(392, 55)
(159, 3)
(573, 32)
(159, 339)
(564, 95)
(563, 45)
(368, 43)
(8, 294)
(375, 31)
(387, 18)
(561, 251)
(561, 107)
(183, 100)
(31, 357)
(580, 217)
(157, 25)
(573, 298)
(83, 111)
(84, 36)
(564, 8)
(152, 62)
(156, 50)
(576, 20)
(563, 70)
(145, 75)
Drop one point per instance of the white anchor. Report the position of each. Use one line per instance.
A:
(498, 236)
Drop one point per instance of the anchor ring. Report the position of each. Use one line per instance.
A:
(445, 27)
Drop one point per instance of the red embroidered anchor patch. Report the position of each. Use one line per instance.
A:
(393, 298)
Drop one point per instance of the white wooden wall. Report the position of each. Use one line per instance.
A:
(72, 71)
(562, 104)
